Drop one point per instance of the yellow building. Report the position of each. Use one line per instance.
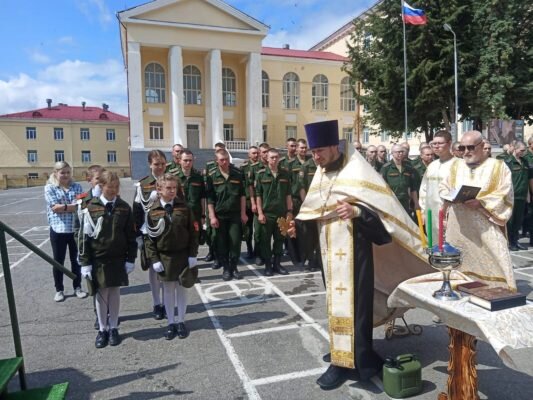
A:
(32, 141)
(198, 74)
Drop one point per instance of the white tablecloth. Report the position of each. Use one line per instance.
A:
(503, 330)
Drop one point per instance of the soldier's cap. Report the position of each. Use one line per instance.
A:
(322, 134)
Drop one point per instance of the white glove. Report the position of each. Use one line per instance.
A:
(153, 195)
(129, 267)
(158, 267)
(140, 242)
(193, 261)
(86, 271)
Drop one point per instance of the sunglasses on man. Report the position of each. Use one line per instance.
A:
(469, 147)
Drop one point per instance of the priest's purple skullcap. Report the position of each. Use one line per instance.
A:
(322, 134)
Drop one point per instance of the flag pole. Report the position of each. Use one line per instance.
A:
(404, 75)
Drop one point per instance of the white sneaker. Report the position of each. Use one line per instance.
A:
(80, 294)
(59, 297)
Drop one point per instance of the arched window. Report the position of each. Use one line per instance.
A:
(347, 95)
(154, 83)
(192, 85)
(291, 91)
(265, 85)
(319, 94)
(229, 88)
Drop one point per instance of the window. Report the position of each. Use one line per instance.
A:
(59, 155)
(31, 133)
(347, 95)
(58, 134)
(347, 133)
(192, 85)
(468, 125)
(320, 93)
(85, 134)
(229, 91)
(409, 135)
(228, 132)
(290, 131)
(265, 133)
(111, 157)
(110, 135)
(265, 85)
(33, 175)
(85, 156)
(154, 83)
(156, 131)
(367, 41)
(32, 156)
(385, 136)
(366, 135)
(291, 91)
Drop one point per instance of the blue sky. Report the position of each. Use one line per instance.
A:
(69, 50)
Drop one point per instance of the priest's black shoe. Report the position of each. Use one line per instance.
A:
(333, 377)
(171, 332)
(102, 339)
(521, 247)
(114, 337)
(326, 358)
(182, 330)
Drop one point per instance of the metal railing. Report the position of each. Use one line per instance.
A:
(9, 287)
(237, 144)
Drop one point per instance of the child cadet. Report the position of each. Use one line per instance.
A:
(108, 254)
(172, 250)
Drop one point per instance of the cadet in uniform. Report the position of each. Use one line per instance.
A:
(172, 247)
(273, 198)
(145, 197)
(108, 254)
(285, 162)
(522, 176)
(227, 211)
(425, 158)
(192, 186)
(263, 154)
(248, 228)
(401, 178)
(372, 157)
(174, 166)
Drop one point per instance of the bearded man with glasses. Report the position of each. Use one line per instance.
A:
(477, 226)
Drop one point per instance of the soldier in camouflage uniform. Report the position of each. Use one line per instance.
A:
(227, 211)
(305, 177)
(108, 254)
(174, 166)
(248, 228)
(263, 155)
(273, 197)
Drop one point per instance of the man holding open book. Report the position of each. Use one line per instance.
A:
(477, 226)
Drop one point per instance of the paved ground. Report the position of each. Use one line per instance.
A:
(259, 338)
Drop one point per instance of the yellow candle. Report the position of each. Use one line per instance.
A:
(421, 228)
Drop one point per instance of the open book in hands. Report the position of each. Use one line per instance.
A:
(462, 194)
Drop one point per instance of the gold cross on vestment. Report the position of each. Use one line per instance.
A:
(341, 289)
(340, 254)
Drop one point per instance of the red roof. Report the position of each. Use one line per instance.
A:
(63, 111)
(317, 55)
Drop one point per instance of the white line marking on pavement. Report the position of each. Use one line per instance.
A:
(294, 296)
(16, 263)
(285, 278)
(249, 387)
(288, 377)
(518, 255)
(25, 233)
(266, 330)
(523, 273)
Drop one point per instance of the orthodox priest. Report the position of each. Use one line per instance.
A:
(369, 245)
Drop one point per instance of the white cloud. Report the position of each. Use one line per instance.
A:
(69, 82)
(39, 57)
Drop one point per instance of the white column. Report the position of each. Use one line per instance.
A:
(177, 117)
(254, 116)
(214, 109)
(135, 96)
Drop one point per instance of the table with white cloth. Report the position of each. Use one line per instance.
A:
(503, 330)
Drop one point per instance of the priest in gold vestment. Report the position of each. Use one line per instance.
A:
(369, 245)
(477, 227)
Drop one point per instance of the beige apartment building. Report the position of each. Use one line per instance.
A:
(198, 74)
(32, 141)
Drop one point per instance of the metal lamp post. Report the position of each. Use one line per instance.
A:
(448, 28)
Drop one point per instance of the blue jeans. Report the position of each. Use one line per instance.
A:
(59, 242)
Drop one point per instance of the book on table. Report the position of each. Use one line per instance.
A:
(470, 287)
(495, 298)
(462, 194)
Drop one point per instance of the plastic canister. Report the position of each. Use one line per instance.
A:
(402, 377)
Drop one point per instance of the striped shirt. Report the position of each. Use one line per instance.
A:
(61, 222)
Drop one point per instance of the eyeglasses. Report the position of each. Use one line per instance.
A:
(470, 147)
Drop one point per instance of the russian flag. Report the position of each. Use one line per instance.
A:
(413, 16)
